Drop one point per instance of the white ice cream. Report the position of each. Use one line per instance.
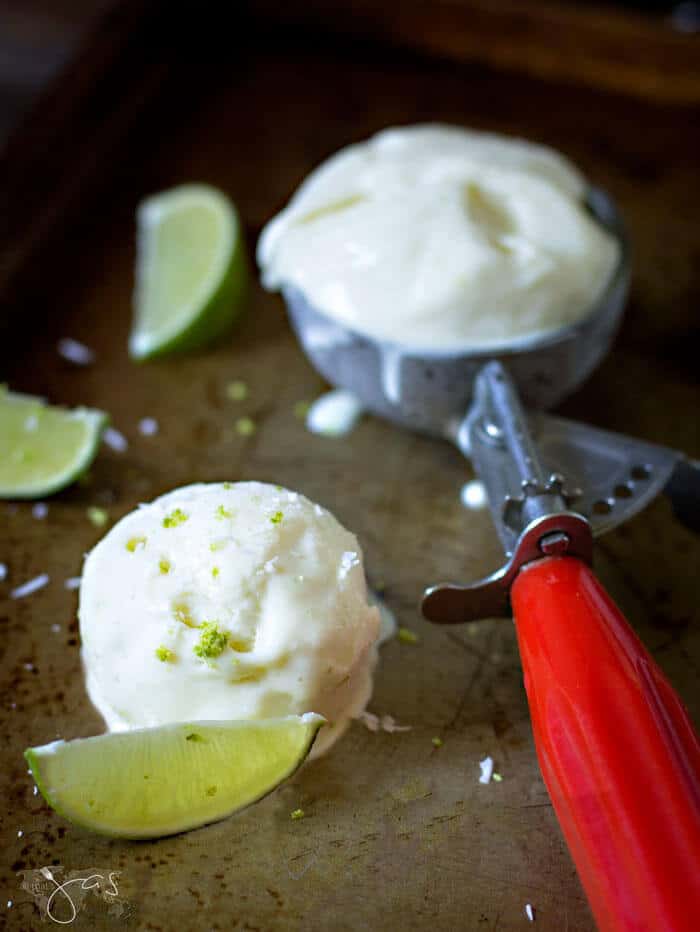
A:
(439, 237)
(227, 600)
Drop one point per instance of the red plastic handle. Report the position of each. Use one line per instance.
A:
(616, 748)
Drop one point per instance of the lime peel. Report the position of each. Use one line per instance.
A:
(45, 448)
(100, 783)
(191, 270)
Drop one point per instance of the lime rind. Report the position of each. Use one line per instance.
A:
(220, 298)
(154, 782)
(13, 484)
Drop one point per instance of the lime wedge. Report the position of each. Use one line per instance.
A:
(191, 271)
(159, 781)
(44, 448)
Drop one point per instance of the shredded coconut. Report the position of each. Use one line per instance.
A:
(486, 770)
(115, 440)
(73, 582)
(334, 414)
(75, 352)
(386, 723)
(530, 912)
(3, 571)
(148, 426)
(32, 585)
(31, 423)
(473, 494)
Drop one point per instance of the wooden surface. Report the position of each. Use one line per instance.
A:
(398, 834)
(37, 38)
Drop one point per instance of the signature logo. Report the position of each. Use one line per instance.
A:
(60, 895)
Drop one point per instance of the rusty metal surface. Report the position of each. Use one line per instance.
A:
(398, 833)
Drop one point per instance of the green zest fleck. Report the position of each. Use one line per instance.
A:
(164, 566)
(193, 736)
(301, 409)
(174, 518)
(222, 513)
(406, 636)
(297, 814)
(212, 642)
(215, 571)
(245, 426)
(437, 742)
(182, 613)
(497, 777)
(228, 485)
(237, 391)
(217, 545)
(276, 517)
(97, 516)
(341, 204)
(135, 542)
(211, 791)
(164, 654)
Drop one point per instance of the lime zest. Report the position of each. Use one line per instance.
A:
(406, 636)
(237, 390)
(245, 426)
(164, 654)
(213, 640)
(223, 513)
(297, 814)
(175, 518)
(135, 542)
(276, 518)
(97, 516)
(164, 566)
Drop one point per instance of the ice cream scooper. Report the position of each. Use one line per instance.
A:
(615, 745)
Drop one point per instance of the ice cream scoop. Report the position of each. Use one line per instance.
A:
(227, 601)
(452, 238)
(616, 747)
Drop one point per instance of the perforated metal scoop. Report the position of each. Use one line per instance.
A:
(615, 745)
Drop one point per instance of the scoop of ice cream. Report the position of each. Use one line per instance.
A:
(438, 237)
(227, 600)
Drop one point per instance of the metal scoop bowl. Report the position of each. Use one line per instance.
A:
(615, 745)
(430, 391)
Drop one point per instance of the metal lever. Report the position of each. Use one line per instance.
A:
(533, 514)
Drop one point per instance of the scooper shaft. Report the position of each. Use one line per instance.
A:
(616, 747)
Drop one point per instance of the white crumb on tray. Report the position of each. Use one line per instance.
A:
(386, 723)
(31, 586)
(73, 582)
(530, 912)
(473, 494)
(115, 440)
(75, 352)
(334, 414)
(486, 770)
(40, 510)
(3, 571)
(148, 426)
